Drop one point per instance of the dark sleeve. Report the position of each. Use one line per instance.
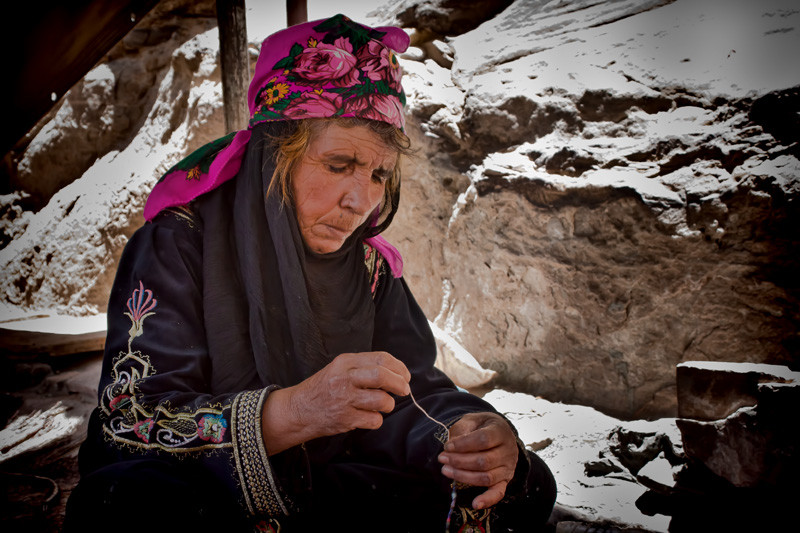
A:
(402, 329)
(154, 397)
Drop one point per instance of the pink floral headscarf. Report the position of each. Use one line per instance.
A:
(329, 68)
(326, 68)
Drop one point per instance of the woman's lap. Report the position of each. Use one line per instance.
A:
(164, 495)
(151, 494)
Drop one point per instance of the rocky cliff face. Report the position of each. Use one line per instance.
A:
(611, 192)
(602, 189)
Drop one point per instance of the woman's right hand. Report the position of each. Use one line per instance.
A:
(351, 392)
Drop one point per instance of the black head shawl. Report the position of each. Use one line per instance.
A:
(275, 312)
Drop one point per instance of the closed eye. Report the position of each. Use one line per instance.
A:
(336, 169)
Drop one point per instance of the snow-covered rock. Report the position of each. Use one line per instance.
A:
(457, 363)
(94, 163)
(568, 437)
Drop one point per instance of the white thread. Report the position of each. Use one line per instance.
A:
(447, 434)
(424, 412)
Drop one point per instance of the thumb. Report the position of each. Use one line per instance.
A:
(465, 425)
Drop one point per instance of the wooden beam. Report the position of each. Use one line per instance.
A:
(48, 46)
(234, 61)
(296, 12)
(54, 335)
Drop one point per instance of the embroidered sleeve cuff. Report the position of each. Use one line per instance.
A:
(257, 477)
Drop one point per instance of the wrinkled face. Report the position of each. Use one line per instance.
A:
(338, 184)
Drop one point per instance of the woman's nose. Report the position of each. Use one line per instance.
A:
(357, 198)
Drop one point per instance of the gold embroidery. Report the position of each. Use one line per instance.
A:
(183, 213)
(130, 423)
(475, 521)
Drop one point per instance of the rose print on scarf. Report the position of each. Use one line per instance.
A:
(140, 306)
(321, 64)
(375, 107)
(380, 63)
(212, 428)
(348, 72)
(313, 103)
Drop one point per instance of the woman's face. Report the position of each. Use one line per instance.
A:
(338, 184)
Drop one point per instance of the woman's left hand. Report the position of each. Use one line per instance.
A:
(482, 451)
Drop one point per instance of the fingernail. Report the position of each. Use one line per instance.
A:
(478, 506)
(447, 471)
(443, 459)
(449, 447)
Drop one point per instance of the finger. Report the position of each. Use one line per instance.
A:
(492, 496)
(473, 421)
(375, 359)
(464, 426)
(477, 462)
(379, 377)
(478, 479)
(392, 363)
(366, 419)
(373, 400)
(484, 438)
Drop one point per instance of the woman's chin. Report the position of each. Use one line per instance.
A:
(326, 240)
(325, 245)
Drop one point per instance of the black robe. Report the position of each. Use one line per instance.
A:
(210, 312)
(158, 399)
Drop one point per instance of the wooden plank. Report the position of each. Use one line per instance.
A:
(54, 335)
(234, 61)
(296, 12)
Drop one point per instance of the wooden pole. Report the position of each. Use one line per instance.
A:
(234, 61)
(296, 12)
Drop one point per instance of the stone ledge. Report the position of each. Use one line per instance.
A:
(715, 390)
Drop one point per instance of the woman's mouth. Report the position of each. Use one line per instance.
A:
(339, 232)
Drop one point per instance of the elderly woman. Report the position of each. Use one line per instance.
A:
(264, 355)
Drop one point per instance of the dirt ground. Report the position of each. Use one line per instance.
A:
(45, 404)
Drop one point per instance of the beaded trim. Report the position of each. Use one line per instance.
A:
(252, 461)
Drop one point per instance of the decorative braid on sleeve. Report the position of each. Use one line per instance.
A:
(252, 462)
